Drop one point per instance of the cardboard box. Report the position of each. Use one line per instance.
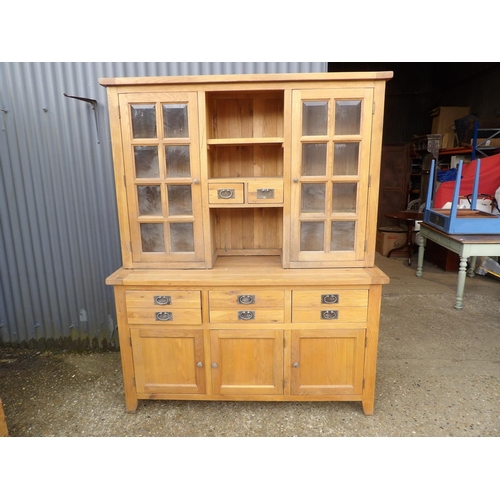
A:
(387, 240)
(443, 123)
(483, 142)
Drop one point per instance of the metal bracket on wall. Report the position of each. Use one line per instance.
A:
(93, 103)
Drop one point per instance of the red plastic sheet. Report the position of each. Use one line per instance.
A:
(489, 181)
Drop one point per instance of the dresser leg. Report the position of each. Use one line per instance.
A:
(368, 406)
(131, 404)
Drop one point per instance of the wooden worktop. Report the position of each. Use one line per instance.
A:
(261, 270)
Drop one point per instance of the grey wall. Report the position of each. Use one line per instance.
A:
(59, 236)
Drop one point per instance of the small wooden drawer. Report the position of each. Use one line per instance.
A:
(265, 191)
(329, 315)
(247, 315)
(166, 316)
(164, 299)
(326, 298)
(230, 192)
(241, 299)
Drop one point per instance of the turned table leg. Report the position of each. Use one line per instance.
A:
(420, 261)
(472, 267)
(461, 283)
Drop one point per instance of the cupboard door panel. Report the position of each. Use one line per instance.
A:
(168, 361)
(162, 175)
(327, 361)
(330, 152)
(247, 362)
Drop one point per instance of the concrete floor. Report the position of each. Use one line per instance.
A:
(438, 375)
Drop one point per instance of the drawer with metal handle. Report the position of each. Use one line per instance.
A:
(230, 192)
(247, 316)
(329, 314)
(171, 299)
(219, 299)
(158, 316)
(265, 191)
(335, 298)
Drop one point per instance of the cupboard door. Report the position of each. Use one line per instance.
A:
(330, 172)
(327, 361)
(162, 175)
(247, 362)
(168, 361)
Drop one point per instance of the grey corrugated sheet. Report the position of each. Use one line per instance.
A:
(59, 236)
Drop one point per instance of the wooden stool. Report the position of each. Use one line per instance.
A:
(3, 424)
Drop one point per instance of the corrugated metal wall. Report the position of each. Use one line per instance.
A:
(59, 236)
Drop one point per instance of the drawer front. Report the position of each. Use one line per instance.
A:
(329, 315)
(243, 299)
(265, 191)
(230, 192)
(163, 316)
(326, 298)
(246, 315)
(169, 299)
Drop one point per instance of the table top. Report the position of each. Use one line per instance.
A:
(406, 215)
(465, 238)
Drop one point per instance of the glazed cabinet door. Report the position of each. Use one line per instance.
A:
(162, 176)
(168, 361)
(331, 132)
(327, 361)
(247, 362)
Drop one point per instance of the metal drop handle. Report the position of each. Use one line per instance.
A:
(295, 365)
(246, 315)
(164, 316)
(331, 298)
(225, 194)
(331, 314)
(265, 193)
(246, 299)
(214, 365)
(163, 300)
(199, 364)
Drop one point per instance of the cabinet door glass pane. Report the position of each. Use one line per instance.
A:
(179, 200)
(311, 236)
(146, 162)
(314, 159)
(182, 237)
(315, 118)
(175, 120)
(178, 161)
(342, 235)
(149, 198)
(344, 197)
(347, 117)
(313, 198)
(143, 121)
(152, 238)
(346, 158)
